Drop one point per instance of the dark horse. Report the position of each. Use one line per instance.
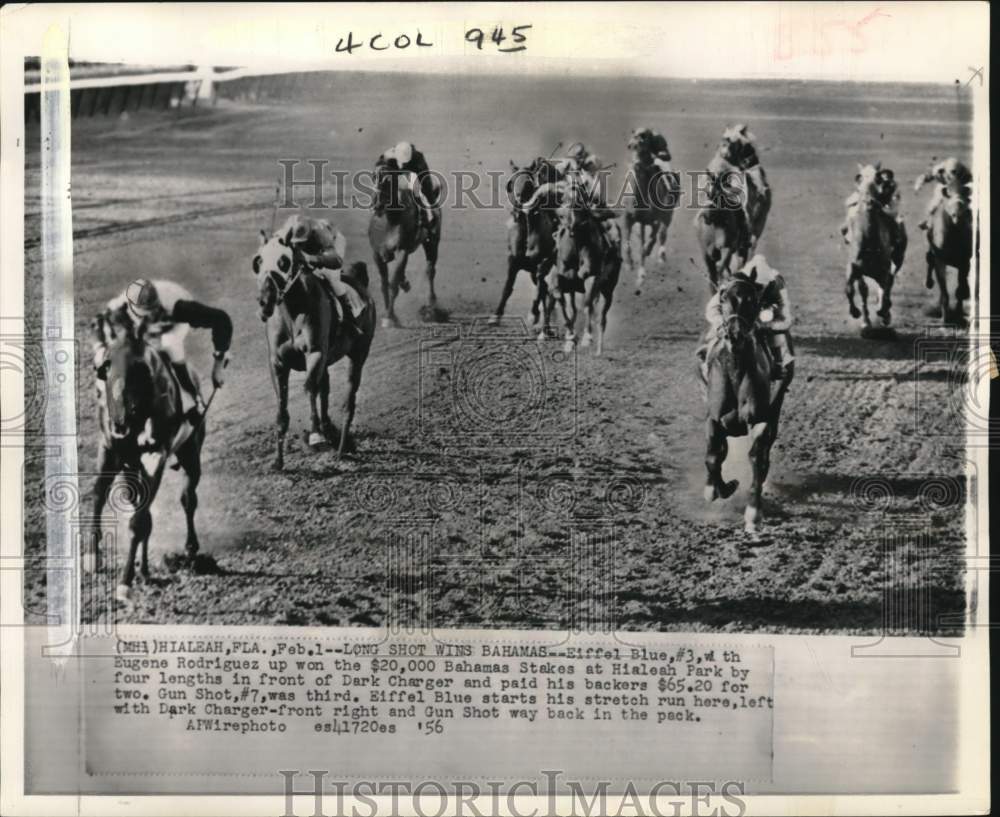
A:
(737, 374)
(652, 208)
(305, 332)
(870, 249)
(139, 386)
(587, 261)
(949, 240)
(531, 230)
(722, 231)
(395, 231)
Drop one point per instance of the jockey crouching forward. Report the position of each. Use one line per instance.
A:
(887, 196)
(650, 146)
(162, 312)
(321, 247)
(738, 153)
(406, 159)
(773, 324)
(953, 179)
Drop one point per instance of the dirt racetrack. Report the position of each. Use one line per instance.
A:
(497, 482)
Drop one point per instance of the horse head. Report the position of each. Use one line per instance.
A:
(869, 183)
(521, 185)
(740, 303)
(639, 145)
(272, 266)
(129, 385)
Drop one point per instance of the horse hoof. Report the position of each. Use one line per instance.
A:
(728, 488)
(855, 312)
(568, 347)
(123, 593)
(585, 340)
(541, 336)
(315, 439)
(278, 465)
(493, 321)
(751, 516)
(933, 311)
(390, 323)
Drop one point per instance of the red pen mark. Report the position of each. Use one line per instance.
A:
(812, 33)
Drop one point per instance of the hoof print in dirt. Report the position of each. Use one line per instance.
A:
(878, 333)
(434, 314)
(201, 564)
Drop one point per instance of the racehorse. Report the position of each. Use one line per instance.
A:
(652, 209)
(949, 240)
(737, 375)
(306, 332)
(530, 235)
(722, 231)
(870, 249)
(137, 386)
(735, 150)
(395, 231)
(587, 262)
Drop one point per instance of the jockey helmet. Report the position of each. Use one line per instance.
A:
(299, 232)
(142, 298)
(765, 273)
(592, 162)
(576, 151)
(403, 153)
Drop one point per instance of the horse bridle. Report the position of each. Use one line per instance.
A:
(732, 283)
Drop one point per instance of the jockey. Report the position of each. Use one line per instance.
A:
(952, 177)
(321, 246)
(406, 159)
(588, 178)
(647, 142)
(164, 311)
(887, 196)
(738, 153)
(774, 318)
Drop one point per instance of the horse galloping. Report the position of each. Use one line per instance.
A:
(530, 236)
(306, 332)
(949, 240)
(722, 231)
(395, 231)
(870, 253)
(137, 387)
(651, 209)
(737, 376)
(587, 262)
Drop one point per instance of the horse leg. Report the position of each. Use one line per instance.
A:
(863, 294)
(650, 242)
(962, 293)
(885, 301)
(513, 265)
(944, 299)
(760, 463)
(280, 369)
(538, 306)
(628, 223)
(140, 528)
(350, 401)
(606, 299)
(568, 304)
(329, 431)
(849, 291)
(107, 469)
(589, 294)
(661, 241)
(717, 449)
(431, 256)
(189, 457)
(389, 291)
